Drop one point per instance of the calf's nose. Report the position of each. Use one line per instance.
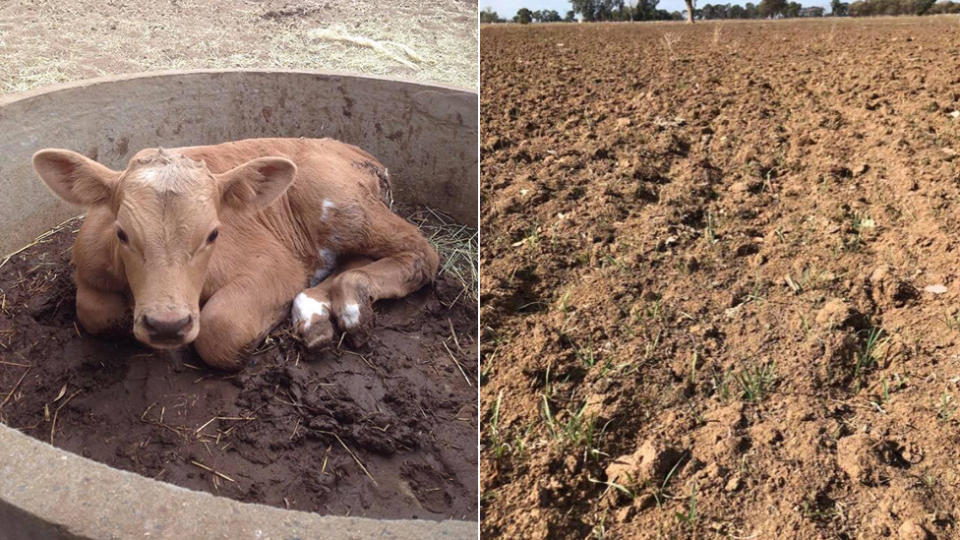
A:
(168, 327)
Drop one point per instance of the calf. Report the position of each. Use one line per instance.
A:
(209, 244)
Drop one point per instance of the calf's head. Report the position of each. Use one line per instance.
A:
(167, 211)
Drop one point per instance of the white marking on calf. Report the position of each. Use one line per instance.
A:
(350, 315)
(304, 309)
(328, 205)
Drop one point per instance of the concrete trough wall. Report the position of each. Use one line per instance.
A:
(427, 137)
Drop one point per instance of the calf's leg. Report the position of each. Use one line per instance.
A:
(102, 313)
(240, 314)
(405, 262)
(356, 290)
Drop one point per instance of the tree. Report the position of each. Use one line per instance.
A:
(772, 8)
(488, 15)
(549, 15)
(866, 8)
(571, 16)
(645, 10)
(839, 8)
(923, 6)
(690, 6)
(792, 9)
(605, 9)
(587, 9)
(598, 10)
(523, 16)
(715, 11)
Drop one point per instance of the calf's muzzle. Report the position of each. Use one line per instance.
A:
(168, 327)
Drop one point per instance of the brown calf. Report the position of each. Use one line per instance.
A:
(209, 244)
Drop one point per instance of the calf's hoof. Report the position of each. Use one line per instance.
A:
(356, 320)
(311, 321)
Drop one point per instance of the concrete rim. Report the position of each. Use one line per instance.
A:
(6, 99)
(48, 493)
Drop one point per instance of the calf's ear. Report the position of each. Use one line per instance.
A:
(74, 177)
(257, 183)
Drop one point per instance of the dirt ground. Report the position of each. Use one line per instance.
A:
(49, 41)
(719, 279)
(388, 430)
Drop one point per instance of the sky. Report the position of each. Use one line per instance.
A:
(508, 8)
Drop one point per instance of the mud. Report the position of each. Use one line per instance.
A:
(720, 279)
(385, 431)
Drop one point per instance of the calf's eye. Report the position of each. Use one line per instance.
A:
(213, 236)
(122, 236)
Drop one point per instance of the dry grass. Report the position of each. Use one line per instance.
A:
(457, 245)
(43, 42)
(43, 238)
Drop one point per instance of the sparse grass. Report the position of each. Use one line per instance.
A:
(815, 513)
(952, 320)
(711, 229)
(853, 240)
(501, 442)
(660, 493)
(531, 239)
(947, 407)
(587, 355)
(652, 344)
(654, 310)
(867, 355)
(629, 493)
(573, 430)
(690, 517)
(721, 385)
(493, 427)
(757, 292)
(457, 246)
(756, 381)
(609, 260)
(599, 531)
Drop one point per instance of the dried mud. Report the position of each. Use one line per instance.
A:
(385, 431)
(719, 279)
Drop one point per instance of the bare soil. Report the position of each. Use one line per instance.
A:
(48, 41)
(387, 430)
(720, 279)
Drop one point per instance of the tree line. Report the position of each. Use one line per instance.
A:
(590, 11)
(867, 8)
(646, 10)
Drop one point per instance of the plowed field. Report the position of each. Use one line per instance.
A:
(719, 279)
